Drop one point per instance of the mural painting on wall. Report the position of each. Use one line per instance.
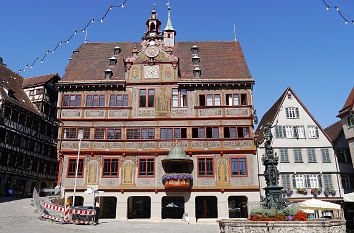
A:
(222, 168)
(135, 73)
(163, 101)
(92, 172)
(128, 169)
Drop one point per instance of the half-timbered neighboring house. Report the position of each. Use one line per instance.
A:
(307, 163)
(28, 156)
(166, 127)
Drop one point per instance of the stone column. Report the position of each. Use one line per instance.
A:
(223, 206)
(189, 208)
(156, 207)
(122, 207)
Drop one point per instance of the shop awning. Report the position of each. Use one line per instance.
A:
(349, 197)
(316, 204)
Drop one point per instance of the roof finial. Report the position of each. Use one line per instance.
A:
(169, 23)
(153, 7)
(235, 32)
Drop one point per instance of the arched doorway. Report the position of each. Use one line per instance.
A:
(139, 207)
(108, 207)
(206, 207)
(172, 207)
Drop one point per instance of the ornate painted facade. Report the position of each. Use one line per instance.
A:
(133, 102)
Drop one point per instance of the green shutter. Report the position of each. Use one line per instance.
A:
(297, 112)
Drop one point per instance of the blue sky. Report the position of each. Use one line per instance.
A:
(286, 43)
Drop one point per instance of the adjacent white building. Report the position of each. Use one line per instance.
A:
(307, 163)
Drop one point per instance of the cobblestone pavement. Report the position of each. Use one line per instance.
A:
(19, 216)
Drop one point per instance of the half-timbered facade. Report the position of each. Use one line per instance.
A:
(28, 156)
(131, 103)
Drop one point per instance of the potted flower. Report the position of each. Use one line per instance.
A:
(177, 180)
(302, 191)
(316, 191)
(329, 191)
(288, 191)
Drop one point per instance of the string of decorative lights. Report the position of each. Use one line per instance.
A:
(341, 14)
(70, 37)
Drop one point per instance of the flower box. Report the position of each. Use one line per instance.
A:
(177, 180)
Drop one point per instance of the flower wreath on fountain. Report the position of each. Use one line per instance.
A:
(286, 214)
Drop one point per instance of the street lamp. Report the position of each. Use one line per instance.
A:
(79, 136)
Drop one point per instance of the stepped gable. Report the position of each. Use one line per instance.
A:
(218, 60)
(12, 91)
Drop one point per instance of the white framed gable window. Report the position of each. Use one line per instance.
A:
(313, 181)
(289, 133)
(299, 131)
(299, 181)
(292, 112)
(313, 131)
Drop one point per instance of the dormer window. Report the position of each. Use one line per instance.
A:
(195, 49)
(197, 72)
(289, 95)
(108, 74)
(195, 60)
(116, 50)
(112, 61)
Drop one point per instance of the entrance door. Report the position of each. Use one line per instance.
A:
(108, 207)
(206, 207)
(238, 207)
(139, 207)
(172, 207)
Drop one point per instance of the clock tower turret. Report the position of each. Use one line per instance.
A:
(153, 26)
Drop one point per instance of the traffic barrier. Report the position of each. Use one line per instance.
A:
(61, 214)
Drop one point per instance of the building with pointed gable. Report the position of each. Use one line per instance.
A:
(130, 103)
(307, 163)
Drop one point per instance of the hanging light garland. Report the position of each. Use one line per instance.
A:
(62, 42)
(328, 7)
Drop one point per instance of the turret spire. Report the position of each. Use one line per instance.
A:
(169, 32)
(169, 23)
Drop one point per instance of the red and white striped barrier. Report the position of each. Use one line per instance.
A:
(53, 218)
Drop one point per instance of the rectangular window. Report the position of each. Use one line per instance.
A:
(327, 180)
(346, 182)
(114, 134)
(237, 132)
(209, 100)
(297, 155)
(141, 133)
(95, 100)
(350, 121)
(313, 131)
(285, 180)
(147, 101)
(73, 133)
(235, 99)
(238, 166)
(120, 100)
(205, 132)
(300, 131)
(100, 133)
(71, 100)
(110, 167)
(173, 133)
(289, 132)
(299, 181)
(311, 155)
(325, 155)
(205, 166)
(146, 167)
(280, 131)
(292, 112)
(284, 158)
(179, 97)
(312, 181)
(72, 168)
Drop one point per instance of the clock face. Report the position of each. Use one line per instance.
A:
(151, 72)
(152, 51)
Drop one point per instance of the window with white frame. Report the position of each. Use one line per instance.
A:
(297, 155)
(292, 112)
(299, 181)
(284, 158)
(313, 131)
(311, 155)
(289, 131)
(312, 181)
(179, 97)
(285, 180)
(325, 155)
(299, 131)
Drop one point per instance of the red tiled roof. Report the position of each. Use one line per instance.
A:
(271, 114)
(11, 81)
(218, 60)
(334, 130)
(348, 104)
(34, 81)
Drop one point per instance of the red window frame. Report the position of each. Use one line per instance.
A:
(114, 132)
(239, 99)
(205, 133)
(115, 100)
(205, 165)
(99, 100)
(179, 98)
(100, 133)
(147, 97)
(83, 167)
(75, 102)
(110, 169)
(237, 135)
(173, 133)
(206, 101)
(238, 165)
(146, 161)
(140, 134)
(76, 133)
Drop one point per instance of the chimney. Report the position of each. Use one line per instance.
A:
(1, 62)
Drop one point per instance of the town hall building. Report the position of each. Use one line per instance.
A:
(164, 128)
